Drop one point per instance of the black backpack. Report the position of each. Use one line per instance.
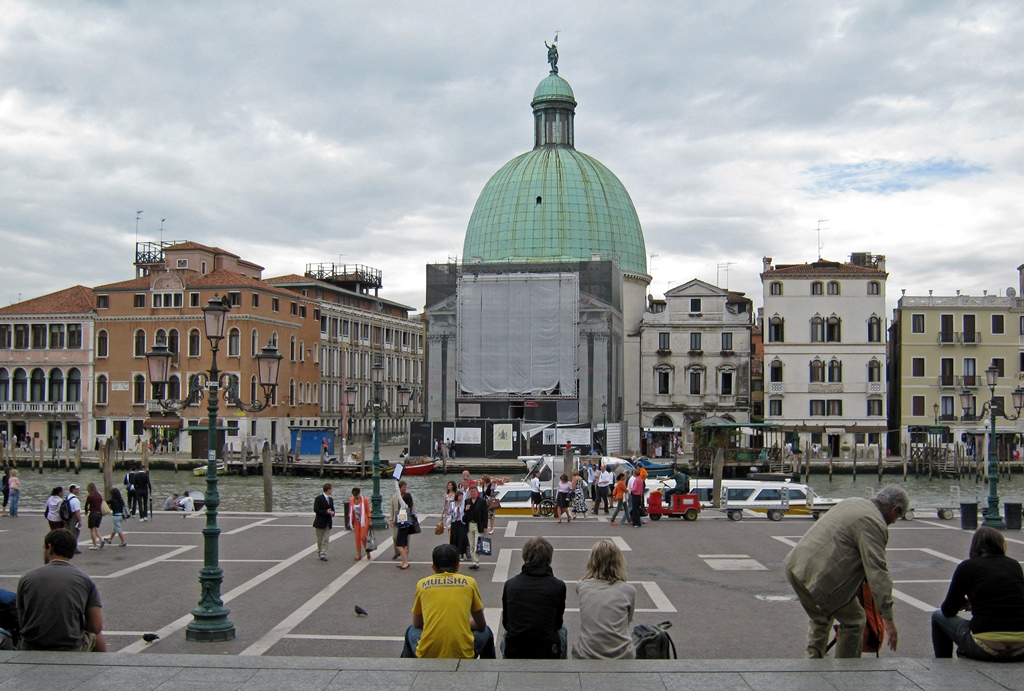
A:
(652, 641)
(65, 510)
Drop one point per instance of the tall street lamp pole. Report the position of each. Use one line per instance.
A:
(992, 517)
(210, 618)
(377, 405)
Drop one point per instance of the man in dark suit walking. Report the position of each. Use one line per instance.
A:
(323, 519)
(142, 489)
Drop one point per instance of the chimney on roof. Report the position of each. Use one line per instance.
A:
(766, 264)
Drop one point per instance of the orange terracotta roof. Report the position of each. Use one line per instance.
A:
(222, 278)
(74, 300)
(190, 245)
(140, 283)
(822, 268)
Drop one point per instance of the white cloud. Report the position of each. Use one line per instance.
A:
(308, 131)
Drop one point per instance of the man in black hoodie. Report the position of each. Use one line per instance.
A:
(532, 605)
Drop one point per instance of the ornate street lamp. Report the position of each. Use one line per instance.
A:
(935, 409)
(210, 618)
(375, 407)
(992, 517)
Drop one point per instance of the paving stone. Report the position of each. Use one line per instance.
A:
(433, 681)
(857, 681)
(706, 681)
(617, 681)
(276, 679)
(791, 681)
(365, 679)
(539, 681)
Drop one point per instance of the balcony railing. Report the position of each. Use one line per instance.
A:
(41, 408)
(874, 387)
(947, 381)
(946, 337)
(970, 381)
(776, 387)
(970, 337)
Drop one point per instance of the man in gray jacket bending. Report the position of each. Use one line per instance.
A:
(842, 550)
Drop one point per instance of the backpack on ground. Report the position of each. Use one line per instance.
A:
(652, 641)
(65, 510)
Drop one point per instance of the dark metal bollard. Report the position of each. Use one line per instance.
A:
(969, 516)
(348, 526)
(1012, 515)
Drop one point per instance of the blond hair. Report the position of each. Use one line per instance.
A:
(606, 563)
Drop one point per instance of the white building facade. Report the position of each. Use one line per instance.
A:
(825, 352)
(695, 364)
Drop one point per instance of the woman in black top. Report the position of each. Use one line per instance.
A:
(990, 586)
(402, 539)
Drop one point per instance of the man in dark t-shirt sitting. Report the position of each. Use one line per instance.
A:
(58, 605)
(532, 606)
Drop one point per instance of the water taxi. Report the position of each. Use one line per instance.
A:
(774, 498)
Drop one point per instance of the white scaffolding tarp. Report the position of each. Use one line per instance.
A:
(517, 334)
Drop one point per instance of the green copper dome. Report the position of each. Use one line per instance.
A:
(555, 203)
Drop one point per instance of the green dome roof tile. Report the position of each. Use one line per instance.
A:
(555, 203)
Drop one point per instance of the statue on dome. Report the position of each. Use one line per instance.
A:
(553, 54)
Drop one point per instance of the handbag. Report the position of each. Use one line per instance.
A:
(371, 541)
(105, 509)
(402, 518)
(483, 546)
(493, 504)
(439, 528)
(414, 525)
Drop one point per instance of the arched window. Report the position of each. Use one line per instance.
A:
(20, 391)
(874, 288)
(174, 387)
(74, 389)
(302, 351)
(102, 344)
(160, 336)
(234, 343)
(5, 385)
(291, 349)
(273, 339)
(775, 371)
(775, 288)
(316, 353)
(817, 371)
(193, 343)
(663, 379)
(696, 380)
(37, 392)
(56, 392)
(833, 288)
(833, 332)
(817, 329)
(101, 390)
(816, 288)
(139, 389)
(835, 371)
(291, 392)
(776, 330)
(874, 329)
(255, 343)
(874, 370)
(172, 342)
(140, 343)
(662, 421)
(252, 386)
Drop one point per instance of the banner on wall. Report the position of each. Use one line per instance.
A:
(502, 437)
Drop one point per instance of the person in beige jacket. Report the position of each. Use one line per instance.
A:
(842, 550)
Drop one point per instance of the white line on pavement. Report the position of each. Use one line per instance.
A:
(913, 601)
(502, 565)
(661, 601)
(243, 528)
(510, 531)
(183, 621)
(148, 563)
(723, 556)
(301, 613)
(227, 561)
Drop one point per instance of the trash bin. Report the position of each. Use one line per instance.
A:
(1012, 515)
(348, 526)
(969, 516)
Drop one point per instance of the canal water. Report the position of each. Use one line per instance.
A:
(296, 494)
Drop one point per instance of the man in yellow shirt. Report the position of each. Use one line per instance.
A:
(448, 614)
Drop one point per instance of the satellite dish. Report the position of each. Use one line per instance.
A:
(1011, 293)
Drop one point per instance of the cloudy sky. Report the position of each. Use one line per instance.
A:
(362, 132)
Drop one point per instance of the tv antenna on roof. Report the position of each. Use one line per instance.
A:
(718, 275)
(162, 231)
(818, 231)
(138, 215)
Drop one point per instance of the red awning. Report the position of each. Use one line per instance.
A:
(162, 423)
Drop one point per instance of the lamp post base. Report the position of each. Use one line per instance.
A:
(205, 628)
(994, 521)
